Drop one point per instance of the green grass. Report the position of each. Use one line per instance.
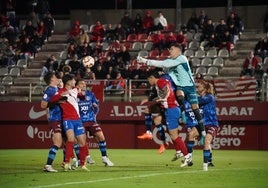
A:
(136, 168)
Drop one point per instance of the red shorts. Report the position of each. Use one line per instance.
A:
(55, 126)
(213, 130)
(92, 127)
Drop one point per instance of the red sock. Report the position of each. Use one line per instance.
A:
(180, 145)
(69, 151)
(87, 149)
(83, 153)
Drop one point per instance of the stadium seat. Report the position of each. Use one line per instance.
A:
(2, 89)
(197, 36)
(115, 45)
(200, 54)
(189, 53)
(93, 45)
(91, 28)
(38, 89)
(105, 46)
(203, 44)
(213, 71)
(206, 61)
(164, 54)
(22, 63)
(7, 80)
(3, 71)
(132, 37)
(218, 62)
(189, 36)
(153, 54)
(223, 53)
(265, 64)
(63, 55)
(128, 45)
(148, 46)
(137, 46)
(208, 77)
(194, 45)
(142, 37)
(14, 71)
(196, 62)
(212, 53)
(201, 70)
(85, 27)
(143, 53)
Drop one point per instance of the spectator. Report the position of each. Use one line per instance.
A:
(127, 23)
(76, 65)
(34, 19)
(10, 7)
(208, 30)
(211, 42)
(221, 28)
(148, 22)
(226, 42)
(29, 29)
(49, 24)
(234, 32)
(170, 38)
(9, 56)
(160, 22)
(71, 51)
(123, 54)
(99, 72)
(74, 31)
(85, 50)
(158, 41)
(234, 18)
(110, 33)
(27, 49)
(97, 32)
(249, 65)
(261, 48)
(137, 24)
(118, 85)
(120, 34)
(202, 19)
(181, 39)
(82, 38)
(42, 8)
(192, 23)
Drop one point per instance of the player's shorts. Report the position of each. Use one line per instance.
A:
(213, 130)
(92, 127)
(75, 125)
(172, 117)
(55, 126)
(190, 93)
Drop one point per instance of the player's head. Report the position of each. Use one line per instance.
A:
(80, 83)
(175, 50)
(153, 76)
(205, 87)
(68, 80)
(51, 79)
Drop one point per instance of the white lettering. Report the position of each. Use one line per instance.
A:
(235, 111)
(128, 111)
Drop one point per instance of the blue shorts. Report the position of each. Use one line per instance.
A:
(172, 117)
(75, 125)
(190, 93)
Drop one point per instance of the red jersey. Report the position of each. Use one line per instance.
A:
(163, 85)
(70, 109)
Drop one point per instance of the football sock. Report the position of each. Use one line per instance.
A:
(148, 121)
(76, 150)
(161, 132)
(180, 145)
(206, 154)
(102, 147)
(83, 153)
(190, 145)
(52, 154)
(200, 126)
(210, 157)
(64, 152)
(69, 151)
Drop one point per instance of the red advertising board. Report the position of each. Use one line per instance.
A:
(244, 125)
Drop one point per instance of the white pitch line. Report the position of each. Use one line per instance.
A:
(139, 176)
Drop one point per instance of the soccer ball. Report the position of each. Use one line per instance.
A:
(88, 61)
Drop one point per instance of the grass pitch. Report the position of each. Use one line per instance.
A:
(136, 168)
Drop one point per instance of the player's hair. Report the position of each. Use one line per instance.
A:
(208, 87)
(78, 80)
(48, 76)
(175, 44)
(66, 78)
(153, 73)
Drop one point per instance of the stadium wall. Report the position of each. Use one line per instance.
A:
(253, 16)
(244, 126)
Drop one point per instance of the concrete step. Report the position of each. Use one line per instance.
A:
(233, 63)
(58, 38)
(31, 72)
(230, 71)
(21, 90)
(252, 35)
(52, 47)
(36, 64)
(26, 81)
(244, 44)
(15, 97)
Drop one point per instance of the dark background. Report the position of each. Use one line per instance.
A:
(58, 7)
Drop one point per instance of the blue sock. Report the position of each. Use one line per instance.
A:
(190, 145)
(210, 157)
(52, 154)
(76, 150)
(206, 154)
(148, 121)
(102, 147)
(161, 132)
